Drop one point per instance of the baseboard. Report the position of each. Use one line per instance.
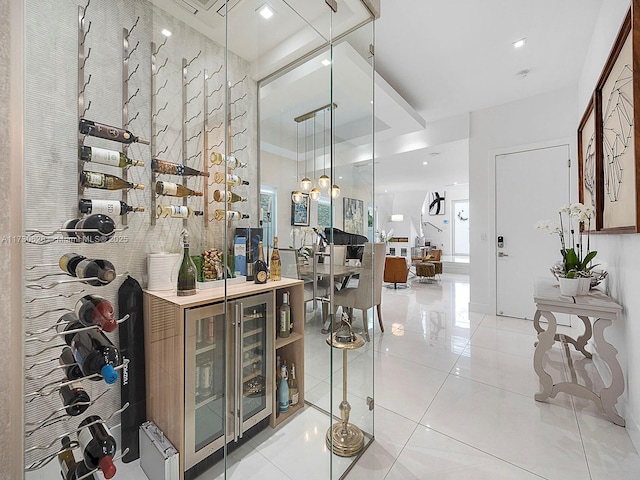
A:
(633, 428)
(481, 308)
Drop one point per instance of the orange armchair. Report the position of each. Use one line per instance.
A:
(395, 270)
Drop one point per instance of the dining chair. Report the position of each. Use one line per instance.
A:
(290, 265)
(368, 292)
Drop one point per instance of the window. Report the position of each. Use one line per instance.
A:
(268, 214)
(324, 212)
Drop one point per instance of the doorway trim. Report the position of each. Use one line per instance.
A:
(453, 227)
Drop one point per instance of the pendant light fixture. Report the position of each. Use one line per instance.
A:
(314, 194)
(297, 196)
(305, 183)
(324, 181)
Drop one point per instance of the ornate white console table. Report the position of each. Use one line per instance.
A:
(604, 312)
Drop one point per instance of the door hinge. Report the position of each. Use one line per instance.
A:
(333, 4)
(370, 403)
(569, 163)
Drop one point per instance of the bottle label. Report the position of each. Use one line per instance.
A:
(95, 179)
(284, 321)
(107, 207)
(261, 276)
(104, 156)
(169, 188)
(295, 398)
(179, 211)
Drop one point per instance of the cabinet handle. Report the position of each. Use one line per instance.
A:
(236, 389)
(241, 371)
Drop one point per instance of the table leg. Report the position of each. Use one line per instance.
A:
(546, 339)
(607, 352)
(582, 339)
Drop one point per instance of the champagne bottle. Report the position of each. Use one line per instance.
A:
(283, 394)
(98, 445)
(187, 273)
(293, 386)
(176, 211)
(231, 162)
(74, 398)
(100, 130)
(230, 215)
(96, 228)
(68, 363)
(285, 316)
(231, 179)
(69, 261)
(96, 272)
(222, 196)
(260, 269)
(66, 459)
(96, 310)
(106, 181)
(107, 157)
(95, 353)
(175, 190)
(171, 168)
(275, 268)
(107, 207)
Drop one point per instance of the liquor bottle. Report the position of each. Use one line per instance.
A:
(66, 459)
(171, 168)
(283, 394)
(293, 386)
(74, 398)
(222, 196)
(175, 190)
(71, 368)
(275, 268)
(176, 211)
(231, 179)
(95, 228)
(231, 162)
(106, 181)
(107, 157)
(100, 130)
(230, 215)
(96, 272)
(95, 353)
(285, 316)
(187, 273)
(107, 207)
(96, 310)
(98, 445)
(69, 261)
(260, 269)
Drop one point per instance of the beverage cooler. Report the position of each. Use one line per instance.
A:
(228, 385)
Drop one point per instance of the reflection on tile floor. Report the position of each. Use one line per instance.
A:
(453, 400)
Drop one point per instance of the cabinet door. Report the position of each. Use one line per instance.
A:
(205, 394)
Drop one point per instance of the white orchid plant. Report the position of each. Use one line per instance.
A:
(575, 219)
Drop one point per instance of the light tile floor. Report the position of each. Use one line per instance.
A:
(454, 400)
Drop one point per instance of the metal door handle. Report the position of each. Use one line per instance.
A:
(501, 254)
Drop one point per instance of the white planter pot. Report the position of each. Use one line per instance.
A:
(585, 285)
(569, 286)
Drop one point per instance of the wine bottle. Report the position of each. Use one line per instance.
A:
(96, 272)
(283, 394)
(230, 215)
(68, 322)
(231, 162)
(107, 157)
(74, 398)
(66, 459)
(275, 268)
(260, 269)
(170, 168)
(285, 316)
(176, 211)
(222, 196)
(106, 181)
(96, 310)
(95, 228)
(107, 207)
(69, 261)
(82, 472)
(187, 273)
(68, 229)
(98, 445)
(175, 190)
(70, 367)
(231, 179)
(95, 353)
(100, 130)
(294, 395)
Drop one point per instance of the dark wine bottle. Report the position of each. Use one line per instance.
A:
(260, 269)
(67, 460)
(68, 322)
(74, 398)
(170, 168)
(107, 207)
(96, 310)
(107, 157)
(96, 272)
(69, 261)
(82, 471)
(71, 368)
(100, 130)
(70, 225)
(98, 445)
(95, 353)
(187, 273)
(96, 228)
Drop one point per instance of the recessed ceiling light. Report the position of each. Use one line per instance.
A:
(520, 43)
(339, 178)
(385, 191)
(326, 62)
(424, 163)
(166, 33)
(266, 11)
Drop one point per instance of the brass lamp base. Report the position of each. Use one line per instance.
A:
(348, 439)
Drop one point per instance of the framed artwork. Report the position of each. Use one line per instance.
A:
(588, 168)
(436, 203)
(353, 215)
(616, 117)
(300, 212)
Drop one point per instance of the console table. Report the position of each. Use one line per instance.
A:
(604, 311)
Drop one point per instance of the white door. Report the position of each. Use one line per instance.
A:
(460, 227)
(531, 185)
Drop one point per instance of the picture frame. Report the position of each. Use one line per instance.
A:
(437, 202)
(616, 94)
(589, 169)
(353, 217)
(300, 212)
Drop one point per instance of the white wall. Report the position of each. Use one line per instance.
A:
(615, 251)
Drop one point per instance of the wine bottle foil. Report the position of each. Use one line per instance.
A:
(162, 269)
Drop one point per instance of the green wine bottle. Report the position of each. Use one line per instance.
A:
(187, 272)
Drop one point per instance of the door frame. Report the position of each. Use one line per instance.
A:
(571, 143)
